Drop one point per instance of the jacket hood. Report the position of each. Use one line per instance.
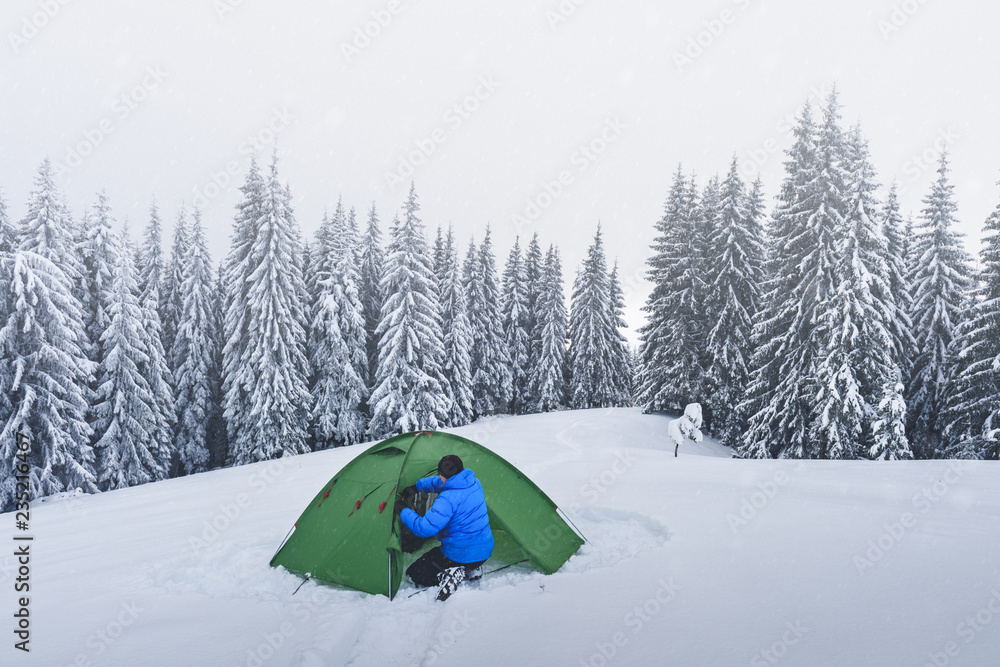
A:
(462, 480)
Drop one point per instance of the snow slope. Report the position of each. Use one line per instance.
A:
(831, 563)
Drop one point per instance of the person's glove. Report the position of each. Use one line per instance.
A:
(409, 492)
(398, 507)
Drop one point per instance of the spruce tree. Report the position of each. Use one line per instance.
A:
(409, 392)
(237, 269)
(895, 232)
(672, 340)
(549, 369)
(170, 294)
(491, 377)
(156, 370)
(8, 235)
(98, 262)
(734, 276)
(706, 220)
(799, 278)
(216, 436)
(940, 283)
(337, 337)
(124, 414)
(514, 311)
(973, 413)
(620, 360)
(371, 292)
(592, 332)
(857, 373)
(457, 366)
(150, 264)
(194, 353)
(270, 380)
(534, 267)
(42, 365)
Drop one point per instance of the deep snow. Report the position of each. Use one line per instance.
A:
(830, 563)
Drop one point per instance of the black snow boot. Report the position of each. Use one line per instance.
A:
(450, 579)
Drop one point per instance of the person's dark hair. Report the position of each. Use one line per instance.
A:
(449, 466)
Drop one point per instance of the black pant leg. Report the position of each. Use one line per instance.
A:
(425, 570)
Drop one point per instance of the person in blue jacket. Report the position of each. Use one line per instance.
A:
(458, 518)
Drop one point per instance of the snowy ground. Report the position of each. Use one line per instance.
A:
(698, 560)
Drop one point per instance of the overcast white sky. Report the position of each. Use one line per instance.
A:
(160, 97)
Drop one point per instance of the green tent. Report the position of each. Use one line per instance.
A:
(349, 535)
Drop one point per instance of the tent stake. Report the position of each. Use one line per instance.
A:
(303, 582)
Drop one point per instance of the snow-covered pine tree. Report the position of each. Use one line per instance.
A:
(157, 368)
(124, 415)
(734, 276)
(268, 402)
(859, 401)
(940, 282)
(237, 269)
(457, 334)
(170, 287)
(150, 263)
(8, 240)
(98, 261)
(43, 369)
(800, 280)
(897, 243)
(314, 259)
(672, 340)
(973, 413)
(216, 436)
(337, 337)
(592, 332)
(491, 377)
(534, 266)
(622, 370)
(514, 311)
(549, 369)
(8, 235)
(195, 354)
(437, 254)
(706, 219)
(409, 392)
(372, 259)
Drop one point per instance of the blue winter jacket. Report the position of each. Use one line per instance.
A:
(458, 517)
